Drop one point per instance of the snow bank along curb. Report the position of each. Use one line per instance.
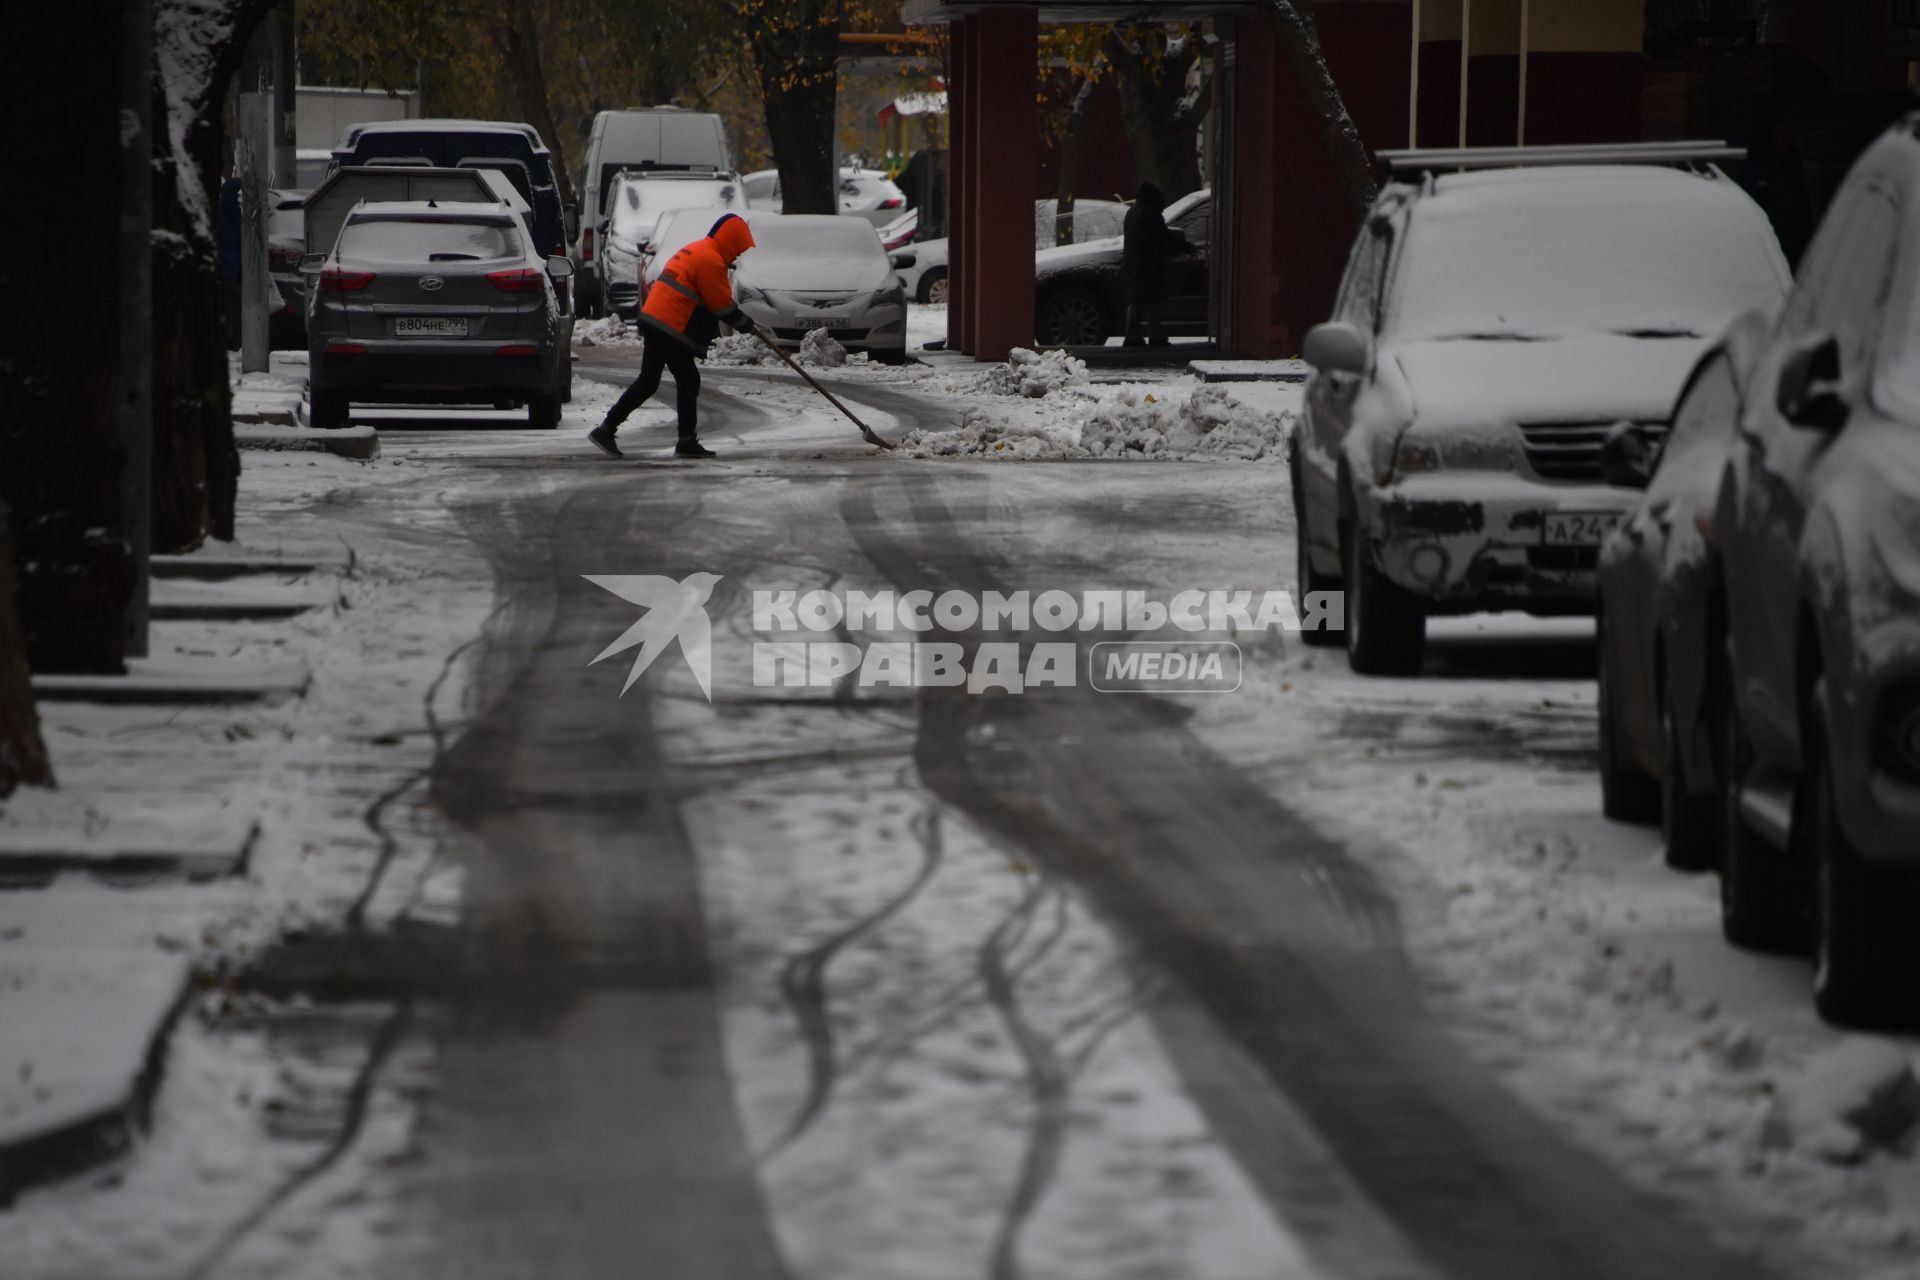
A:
(102, 1018)
(361, 442)
(1165, 422)
(1249, 370)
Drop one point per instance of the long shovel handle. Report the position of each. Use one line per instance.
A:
(789, 361)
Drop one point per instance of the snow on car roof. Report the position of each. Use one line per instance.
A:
(440, 125)
(431, 210)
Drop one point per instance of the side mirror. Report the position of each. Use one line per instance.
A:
(1337, 347)
(1628, 457)
(559, 266)
(1809, 393)
(312, 262)
(570, 214)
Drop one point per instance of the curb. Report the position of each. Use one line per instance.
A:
(75, 1145)
(361, 443)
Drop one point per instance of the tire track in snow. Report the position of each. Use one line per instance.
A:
(803, 984)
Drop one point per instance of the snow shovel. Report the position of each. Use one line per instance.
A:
(788, 360)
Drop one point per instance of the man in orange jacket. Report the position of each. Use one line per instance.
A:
(682, 315)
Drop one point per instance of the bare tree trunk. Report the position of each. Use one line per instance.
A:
(60, 459)
(1300, 42)
(1160, 117)
(1070, 157)
(516, 35)
(796, 45)
(23, 755)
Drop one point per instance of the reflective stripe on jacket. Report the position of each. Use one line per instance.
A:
(693, 291)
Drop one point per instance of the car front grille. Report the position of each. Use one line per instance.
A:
(1569, 450)
(1563, 559)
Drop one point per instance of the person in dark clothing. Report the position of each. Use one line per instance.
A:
(1146, 243)
(226, 242)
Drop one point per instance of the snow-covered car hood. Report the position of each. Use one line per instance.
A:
(1088, 253)
(1589, 378)
(814, 274)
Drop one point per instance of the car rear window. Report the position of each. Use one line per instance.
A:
(639, 205)
(427, 240)
(1578, 255)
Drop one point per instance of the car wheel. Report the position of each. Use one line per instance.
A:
(543, 411)
(1866, 948)
(1074, 318)
(1688, 823)
(1305, 580)
(933, 288)
(1759, 910)
(329, 411)
(1386, 626)
(1627, 794)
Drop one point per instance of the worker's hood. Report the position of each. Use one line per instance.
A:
(733, 236)
(1591, 377)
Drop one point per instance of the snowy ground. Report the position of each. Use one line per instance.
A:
(839, 893)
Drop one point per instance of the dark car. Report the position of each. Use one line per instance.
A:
(1079, 298)
(1658, 638)
(436, 303)
(1817, 527)
(514, 149)
(286, 245)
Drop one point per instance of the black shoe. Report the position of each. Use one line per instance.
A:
(602, 438)
(689, 447)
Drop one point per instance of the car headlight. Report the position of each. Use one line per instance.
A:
(892, 295)
(747, 293)
(1414, 457)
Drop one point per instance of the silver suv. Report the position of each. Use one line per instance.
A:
(436, 303)
(1501, 311)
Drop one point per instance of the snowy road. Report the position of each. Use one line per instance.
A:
(1330, 979)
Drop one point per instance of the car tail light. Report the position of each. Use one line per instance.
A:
(894, 202)
(518, 349)
(346, 349)
(586, 245)
(519, 280)
(338, 280)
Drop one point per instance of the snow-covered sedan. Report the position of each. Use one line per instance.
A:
(436, 302)
(1492, 326)
(1659, 638)
(822, 271)
(1817, 529)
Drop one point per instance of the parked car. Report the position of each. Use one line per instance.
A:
(1659, 639)
(923, 264)
(868, 193)
(1079, 299)
(647, 140)
(634, 206)
(1492, 325)
(436, 303)
(514, 149)
(821, 271)
(1817, 527)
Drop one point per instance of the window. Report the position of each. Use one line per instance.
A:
(426, 240)
(1366, 272)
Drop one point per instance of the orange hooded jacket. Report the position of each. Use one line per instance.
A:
(693, 294)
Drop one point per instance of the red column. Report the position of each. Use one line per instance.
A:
(959, 184)
(1254, 284)
(1003, 146)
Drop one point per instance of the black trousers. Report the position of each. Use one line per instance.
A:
(659, 352)
(1143, 311)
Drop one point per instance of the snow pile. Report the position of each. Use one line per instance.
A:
(819, 348)
(1209, 423)
(1034, 375)
(1857, 1096)
(609, 331)
(738, 349)
(1126, 422)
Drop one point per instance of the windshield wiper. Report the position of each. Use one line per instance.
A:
(453, 257)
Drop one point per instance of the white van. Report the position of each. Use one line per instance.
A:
(669, 139)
